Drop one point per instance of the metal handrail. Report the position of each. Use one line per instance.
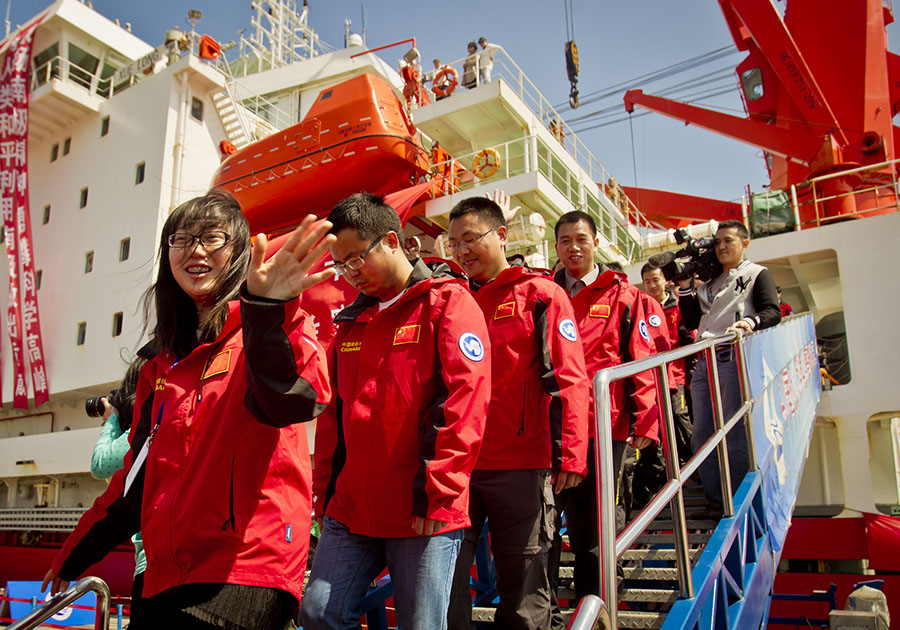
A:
(590, 613)
(59, 601)
(611, 548)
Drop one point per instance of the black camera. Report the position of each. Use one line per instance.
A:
(700, 254)
(94, 406)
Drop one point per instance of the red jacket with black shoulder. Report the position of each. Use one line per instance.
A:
(222, 493)
(538, 413)
(613, 325)
(412, 385)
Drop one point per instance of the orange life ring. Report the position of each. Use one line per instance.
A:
(486, 163)
(445, 82)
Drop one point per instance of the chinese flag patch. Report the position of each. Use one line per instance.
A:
(600, 310)
(218, 364)
(507, 309)
(406, 334)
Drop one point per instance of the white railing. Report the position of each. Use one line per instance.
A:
(529, 154)
(506, 68)
(40, 519)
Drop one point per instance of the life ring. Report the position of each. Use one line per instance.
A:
(445, 82)
(486, 163)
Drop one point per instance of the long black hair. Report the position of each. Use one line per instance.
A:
(179, 328)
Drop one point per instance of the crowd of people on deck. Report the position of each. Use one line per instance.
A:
(451, 392)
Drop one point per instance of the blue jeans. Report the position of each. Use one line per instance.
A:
(730, 387)
(421, 569)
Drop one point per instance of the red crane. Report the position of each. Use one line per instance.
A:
(820, 89)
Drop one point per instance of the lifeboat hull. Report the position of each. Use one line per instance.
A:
(356, 137)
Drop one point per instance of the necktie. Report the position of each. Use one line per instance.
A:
(577, 286)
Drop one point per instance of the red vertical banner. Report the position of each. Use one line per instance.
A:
(22, 318)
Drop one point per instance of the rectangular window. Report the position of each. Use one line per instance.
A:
(46, 219)
(54, 152)
(82, 200)
(124, 249)
(197, 109)
(46, 64)
(89, 262)
(82, 333)
(37, 279)
(104, 126)
(117, 324)
(139, 174)
(82, 66)
(67, 144)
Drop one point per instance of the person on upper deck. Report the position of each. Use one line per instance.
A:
(470, 66)
(535, 440)
(218, 475)
(742, 296)
(411, 365)
(486, 59)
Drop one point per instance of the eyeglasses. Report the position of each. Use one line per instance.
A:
(469, 242)
(210, 240)
(357, 261)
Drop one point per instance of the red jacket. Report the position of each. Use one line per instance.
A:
(612, 322)
(538, 413)
(412, 388)
(657, 325)
(224, 495)
(680, 336)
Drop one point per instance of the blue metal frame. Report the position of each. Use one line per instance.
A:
(734, 575)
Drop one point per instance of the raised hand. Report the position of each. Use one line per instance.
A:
(286, 274)
(502, 199)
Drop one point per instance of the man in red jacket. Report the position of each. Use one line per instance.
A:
(613, 328)
(411, 368)
(535, 440)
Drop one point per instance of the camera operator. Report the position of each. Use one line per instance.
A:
(742, 296)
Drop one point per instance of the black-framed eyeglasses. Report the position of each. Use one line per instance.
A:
(454, 245)
(213, 239)
(357, 261)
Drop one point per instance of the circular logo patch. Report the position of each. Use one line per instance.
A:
(643, 328)
(471, 346)
(568, 330)
(654, 320)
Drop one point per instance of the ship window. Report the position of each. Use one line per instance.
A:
(67, 146)
(46, 64)
(89, 262)
(81, 334)
(139, 174)
(117, 324)
(104, 126)
(82, 200)
(326, 95)
(46, 219)
(54, 152)
(751, 81)
(124, 249)
(82, 66)
(38, 275)
(106, 78)
(197, 109)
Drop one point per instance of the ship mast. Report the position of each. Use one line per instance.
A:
(282, 36)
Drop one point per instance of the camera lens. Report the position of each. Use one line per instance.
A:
(94, 407)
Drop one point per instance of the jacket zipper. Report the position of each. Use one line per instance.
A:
(230, 521)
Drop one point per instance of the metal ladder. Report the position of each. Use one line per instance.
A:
(59, 601)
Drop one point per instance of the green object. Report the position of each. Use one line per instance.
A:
(314, 530)
(771, 213)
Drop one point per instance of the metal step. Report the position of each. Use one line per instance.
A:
(657, 554)
(650, 573)
(661, 595)
(666, 525)
(639, 619)
(655, 539)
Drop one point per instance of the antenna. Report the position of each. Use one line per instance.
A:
(362, 10)
(8, 2)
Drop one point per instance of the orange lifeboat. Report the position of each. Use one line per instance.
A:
(356, 137)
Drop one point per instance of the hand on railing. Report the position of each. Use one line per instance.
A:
(57, 585)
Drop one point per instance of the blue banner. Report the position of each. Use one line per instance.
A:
(785, 386)
(66, 617)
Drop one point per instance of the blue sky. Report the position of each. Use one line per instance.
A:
(618, 41)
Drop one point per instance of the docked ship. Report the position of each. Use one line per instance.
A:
(290, 126)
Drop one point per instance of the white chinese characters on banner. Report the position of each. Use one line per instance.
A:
(22, 316)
